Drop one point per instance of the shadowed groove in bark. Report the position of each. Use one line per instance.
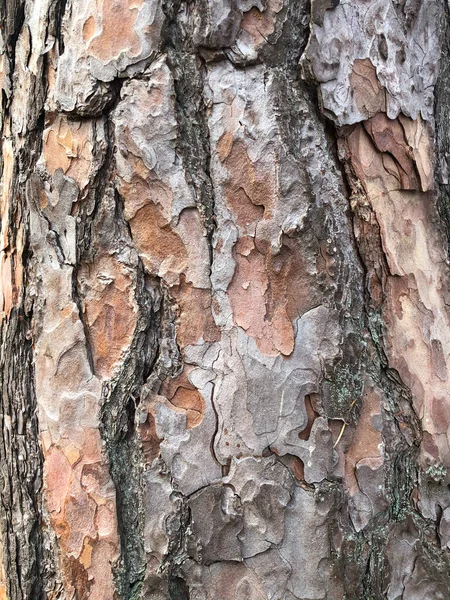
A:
(12, 16)
(145, 365)
(27, 545)
(178, 589)
(179, 532)
(402, 436)
(120, 397)
(402, 432)
(442, 114)
(150, 358)
(193, 144)
(21, 462)
(328, 221)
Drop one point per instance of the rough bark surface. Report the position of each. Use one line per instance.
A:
(224, 336)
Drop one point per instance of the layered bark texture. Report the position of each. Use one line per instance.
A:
(225, 322)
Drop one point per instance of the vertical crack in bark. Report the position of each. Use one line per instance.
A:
(27, 554)
(193, 143)
(442, 115)
(12, 16)
(402, 434)
(151, 357)
(120, 394)
(179, 533)
(21, 462)
(118, 429)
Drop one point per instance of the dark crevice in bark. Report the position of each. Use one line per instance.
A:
(179, 532)
(12, 16)
(287, 50)
(87, 209)
(120, 404)
(21, 463)
(57, 21)
(402, 436)
(28, 558)
(364, 559)
(77, 299)
(146, 365)
(101, 226)
(193, 144)
(123, 449)
(151, 357)
(168, 360)
(328, 219)
(442, 115)
(178, 589)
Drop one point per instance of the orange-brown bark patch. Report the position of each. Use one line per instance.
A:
(389, 137)
(183, 394)
(118, 34)
(268, 292)
(295, 465)
(11, 239)
(260, 25)
(149, 439)
(160, 247)
(369, 95)
(312, 415)
(367, 438)
(224, 145)
(7, 178)
(68, 146)
(89, 29)
(109, 309)
(251, 190)
(3, 595)
(145, 187)
(58, 472)
(81, 504)
(195, 320)
(272, 282)
(78, 577)
(6, 280)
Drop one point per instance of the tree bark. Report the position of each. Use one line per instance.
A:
(224, 335)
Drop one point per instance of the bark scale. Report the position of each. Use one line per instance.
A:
(224, 340)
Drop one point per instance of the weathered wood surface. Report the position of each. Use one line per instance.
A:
(224, 338)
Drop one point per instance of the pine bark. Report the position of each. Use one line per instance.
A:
(224, 308)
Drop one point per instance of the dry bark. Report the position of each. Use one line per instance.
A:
(224, 336)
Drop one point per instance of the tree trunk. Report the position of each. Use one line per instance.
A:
(224, 338)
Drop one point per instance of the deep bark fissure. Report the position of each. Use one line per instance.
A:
(188, 71)
(442, 114)
(21, 463)
(30, 567)
(402, 439)
(118, 421)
